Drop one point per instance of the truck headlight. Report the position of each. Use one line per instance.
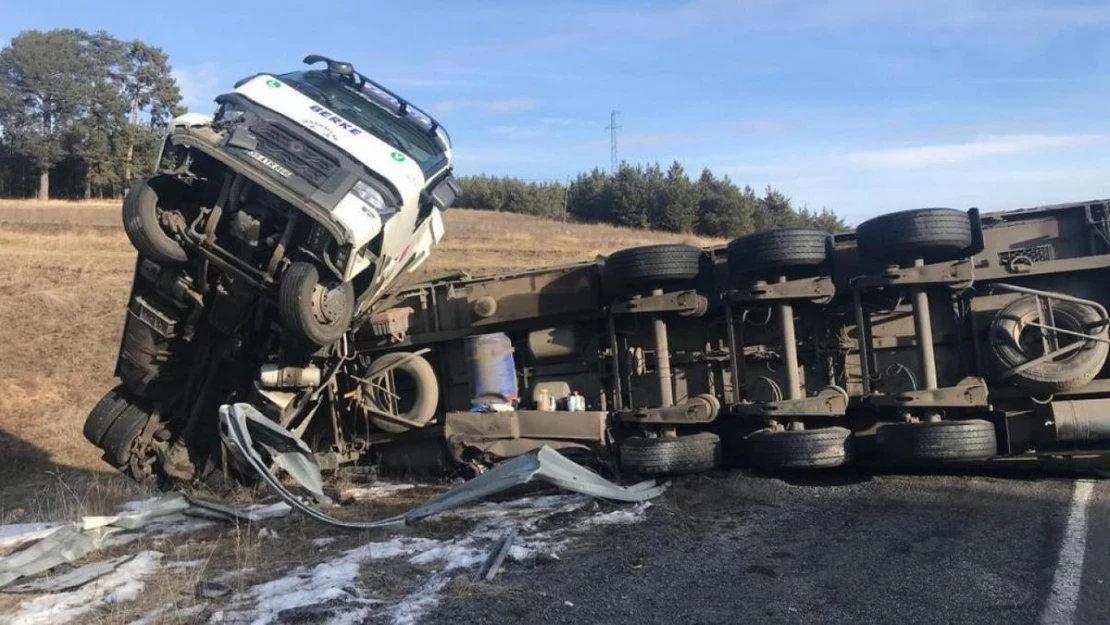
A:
(373, 199)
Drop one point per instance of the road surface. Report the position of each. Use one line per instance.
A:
(855, 548)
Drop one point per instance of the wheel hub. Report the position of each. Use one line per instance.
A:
(330, 303)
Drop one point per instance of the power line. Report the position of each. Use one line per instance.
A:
(612, 128)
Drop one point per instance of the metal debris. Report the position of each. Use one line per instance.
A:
(76, 540)
(237, 512)
(241, 423)
(74, 579)
(496, 556)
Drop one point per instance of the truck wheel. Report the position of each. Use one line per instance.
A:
(104, 414)
(120, 437)
(671, 456)
(934, 234)
(935, 441)
(142, 212)
(777, 250)
(311, 311)
(629, 271)
(1014, 342)
(799, 449)
(416, 388)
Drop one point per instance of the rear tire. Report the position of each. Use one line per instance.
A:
(311, 312)
(671, 456)
(104, 414)
(120, 437)
(144, 229)
(636, 269)
(762, 253)
(937, 441)
(933, 234)
(799, 449)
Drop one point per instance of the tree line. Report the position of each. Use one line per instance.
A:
(81, 113)
(645, 196)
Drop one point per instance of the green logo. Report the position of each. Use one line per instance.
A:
(273, 83)
(397, 156)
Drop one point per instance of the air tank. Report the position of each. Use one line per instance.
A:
(491, 368)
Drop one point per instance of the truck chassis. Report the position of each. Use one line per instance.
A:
(923, 337)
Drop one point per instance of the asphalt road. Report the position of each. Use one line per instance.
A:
(737, 548)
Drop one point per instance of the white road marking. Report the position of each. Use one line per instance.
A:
(1062, 603)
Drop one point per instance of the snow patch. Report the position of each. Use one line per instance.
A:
(377, 491)
(122, 585)
(19, 533)
(169, 613)
(330, 593)
(626, 516)
(412, 608)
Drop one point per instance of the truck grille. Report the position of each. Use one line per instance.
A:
(304, 159)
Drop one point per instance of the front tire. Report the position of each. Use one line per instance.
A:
(311, 311)
(142, 209)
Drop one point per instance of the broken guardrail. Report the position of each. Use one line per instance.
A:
(243, 427)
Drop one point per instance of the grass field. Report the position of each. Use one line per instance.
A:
(66, 274)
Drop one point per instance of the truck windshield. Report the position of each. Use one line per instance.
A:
(360, 107)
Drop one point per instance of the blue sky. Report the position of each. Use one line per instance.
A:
(861, 106)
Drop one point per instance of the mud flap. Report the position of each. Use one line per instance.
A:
(240, 424)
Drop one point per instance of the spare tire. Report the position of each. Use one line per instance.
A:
(777, 250)
(932, 234)
(418, 395)
(1014, 343)
(799, 449)
(312, 311)
(671, 456)
(142, 223)
(633, 270)
(937, 441)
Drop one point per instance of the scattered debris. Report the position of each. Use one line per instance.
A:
(76, 540)
(237, 512)
(73, 579)
(64, 543)
(496, 555)
(267, 533)
(211, 590)
(244, 426)
(15, 535)
(121, 585)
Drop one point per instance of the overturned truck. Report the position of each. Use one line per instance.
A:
(279, 243)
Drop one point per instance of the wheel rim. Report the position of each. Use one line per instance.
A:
(329, 303)
(1030, 339)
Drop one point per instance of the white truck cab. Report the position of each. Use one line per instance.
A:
(319, 187)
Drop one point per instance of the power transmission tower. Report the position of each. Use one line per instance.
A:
(614, 161)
